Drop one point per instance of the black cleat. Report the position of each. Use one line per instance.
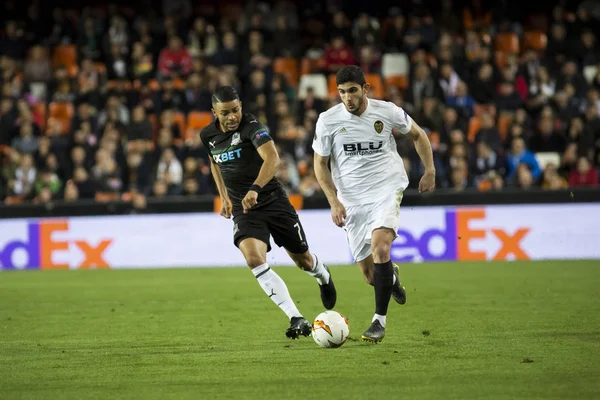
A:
(399, 291)
(375, 333)
(298, 326)
(328, 293)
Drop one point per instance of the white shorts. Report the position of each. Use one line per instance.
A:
(362, 220)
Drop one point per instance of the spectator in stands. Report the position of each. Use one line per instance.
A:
(338, 54)
(175, 60)
(547, 139)
(23, 180)
(37, 67)
(485, 161)
(462, 101)
(552, 180)
(71, 191)
(518, 155)
(524, 177)
(508, 99)
(483, 86)
(26, 142)
(48, 180)
(169, 171)
(140, 128)
(584, 175)
(489, 134)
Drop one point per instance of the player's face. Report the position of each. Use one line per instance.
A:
(353, 96)
(229, 115)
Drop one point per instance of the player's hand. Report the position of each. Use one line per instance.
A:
(338, 213)
(226, 208)
(427, 183)
(249, 200)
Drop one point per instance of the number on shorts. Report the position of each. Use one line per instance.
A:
(297, 226)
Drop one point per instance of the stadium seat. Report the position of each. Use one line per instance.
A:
(589, 73)
(544, 159)
(317, 81)
(500, 59)
(107, 196)
(179, 119)
(474, 126)
(504, 121)
(288, 67)
(179, 84)
(332, 90)
(395, 68)
(40, 114)
(535, 40)
(376, 83)
(395, 64)
(63, 113)
(65, 55)
(199, 119)
(400, 81)
(507, 42)
(311, 65)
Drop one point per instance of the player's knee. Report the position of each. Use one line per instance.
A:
(381, 253)
(255, 260)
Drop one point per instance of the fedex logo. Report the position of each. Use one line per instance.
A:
(40, 247)
(457, 237)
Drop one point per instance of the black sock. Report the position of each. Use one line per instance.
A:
(383, 280)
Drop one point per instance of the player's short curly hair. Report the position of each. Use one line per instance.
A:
(350, 73)
(224, 94)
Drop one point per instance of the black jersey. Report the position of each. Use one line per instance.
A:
(236, 155)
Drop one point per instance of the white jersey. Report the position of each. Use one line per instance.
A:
(365, 163)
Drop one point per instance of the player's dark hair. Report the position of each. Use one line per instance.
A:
(224, 94)
(350, 73)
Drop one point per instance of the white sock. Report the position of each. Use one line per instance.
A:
(381, 319)
(319, 271)
(276, 289)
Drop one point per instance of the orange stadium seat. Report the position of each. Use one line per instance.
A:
(474, 126)
(504, 121)
(40, 114)
(197, 120)
(288, 67)
(311, 65)
(376, 83)
(332, 90)
(63, 113)
(65, 55)
(535, 40)
(507, 42)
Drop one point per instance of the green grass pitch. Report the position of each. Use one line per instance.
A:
(516, 330)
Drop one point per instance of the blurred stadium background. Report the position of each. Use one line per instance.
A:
(101, 167)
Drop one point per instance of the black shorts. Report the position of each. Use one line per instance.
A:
(278, 219)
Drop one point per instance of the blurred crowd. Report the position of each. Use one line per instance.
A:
(106, 102)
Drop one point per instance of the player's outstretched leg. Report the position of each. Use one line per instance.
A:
(311, 264)
(255, 253)
(383, 280)
(367, 267)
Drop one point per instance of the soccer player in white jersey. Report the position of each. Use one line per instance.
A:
(366, 182)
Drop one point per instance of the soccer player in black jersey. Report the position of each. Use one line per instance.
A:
(244, 164)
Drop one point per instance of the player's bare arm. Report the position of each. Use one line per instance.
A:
(270, 166)
(225, 202)
(338, 211)
(423, 147)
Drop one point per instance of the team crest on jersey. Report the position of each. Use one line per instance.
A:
(236, 139)
(378, 125)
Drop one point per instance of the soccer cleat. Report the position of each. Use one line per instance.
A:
(375, 333)
(328, 293)
(298, 326)
(399, 291)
